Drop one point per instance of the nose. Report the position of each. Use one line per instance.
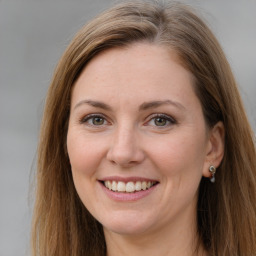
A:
(125, 149)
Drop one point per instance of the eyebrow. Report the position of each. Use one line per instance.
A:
(93, 103)
(158, 103)
(143, 106)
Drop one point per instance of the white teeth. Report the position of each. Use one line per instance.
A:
(121, 186)
(107, 184)
(138, 185)
(144, 185)
(114, 186)
(128, 187)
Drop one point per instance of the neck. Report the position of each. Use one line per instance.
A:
(179, 239)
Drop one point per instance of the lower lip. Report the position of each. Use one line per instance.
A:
(124, 196)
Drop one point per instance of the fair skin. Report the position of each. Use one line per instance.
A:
(135, 119)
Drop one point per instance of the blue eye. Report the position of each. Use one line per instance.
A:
(94, 120)
(161, 120)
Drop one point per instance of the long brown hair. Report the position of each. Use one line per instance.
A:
(226, 210)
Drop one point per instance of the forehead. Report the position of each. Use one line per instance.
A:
(152, 71)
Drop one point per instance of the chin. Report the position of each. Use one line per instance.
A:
(128, 224)
(125, 230)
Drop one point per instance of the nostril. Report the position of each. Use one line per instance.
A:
(125, 157)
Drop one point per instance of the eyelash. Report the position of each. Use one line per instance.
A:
(153, 117)
(168, 118)
(87, 118)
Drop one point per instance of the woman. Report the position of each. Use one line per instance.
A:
(145, 145)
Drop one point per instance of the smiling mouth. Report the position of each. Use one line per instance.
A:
(128, 187)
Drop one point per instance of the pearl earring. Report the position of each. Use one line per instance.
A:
(212, 170)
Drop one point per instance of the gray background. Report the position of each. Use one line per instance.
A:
(33, 35)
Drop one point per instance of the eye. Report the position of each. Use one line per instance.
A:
(161, 120)
(94, 120)
(97, 120)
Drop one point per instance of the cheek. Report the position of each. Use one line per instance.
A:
(181, 155)
(82, 154)
(84, 160)
(179, 161)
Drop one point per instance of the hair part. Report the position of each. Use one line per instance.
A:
(226, 210)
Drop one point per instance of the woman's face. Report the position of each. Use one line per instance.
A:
(137, 140)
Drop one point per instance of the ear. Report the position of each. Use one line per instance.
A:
(215, 148)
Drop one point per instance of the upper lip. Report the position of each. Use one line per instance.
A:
(127, 179)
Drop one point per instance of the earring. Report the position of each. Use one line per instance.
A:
(212, 170)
